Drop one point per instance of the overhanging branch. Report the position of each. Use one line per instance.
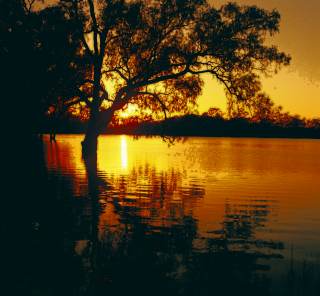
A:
(157, 98)
(161, 78)
(82, 36)
(95, 27)
(118, 72)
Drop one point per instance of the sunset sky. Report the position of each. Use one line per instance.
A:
(297, 87)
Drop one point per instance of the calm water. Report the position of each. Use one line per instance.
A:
(205, 216)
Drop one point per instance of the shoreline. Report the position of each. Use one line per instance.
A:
(189, 135)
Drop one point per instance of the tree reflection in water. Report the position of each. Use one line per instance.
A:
(113, 240)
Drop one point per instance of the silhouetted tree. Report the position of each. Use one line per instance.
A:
(313, 123)
(40, 60)
(214, 112)
(153, 53)
(258, 107)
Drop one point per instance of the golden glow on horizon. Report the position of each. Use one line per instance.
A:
(130, 110)
(287, 88)
(294, 93)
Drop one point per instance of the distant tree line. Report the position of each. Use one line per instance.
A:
(214, 122)
(205, 125)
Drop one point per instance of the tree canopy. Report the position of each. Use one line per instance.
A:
(39, 59)
(152, 53)
(105, 54)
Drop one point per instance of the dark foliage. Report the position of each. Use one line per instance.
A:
(194, 125)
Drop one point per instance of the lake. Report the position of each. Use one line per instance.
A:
(196, 216)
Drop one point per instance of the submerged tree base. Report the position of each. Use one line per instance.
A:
(89, 146)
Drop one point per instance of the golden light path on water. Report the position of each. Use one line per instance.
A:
(124, 152)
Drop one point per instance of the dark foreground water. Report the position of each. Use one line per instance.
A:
(205, 216)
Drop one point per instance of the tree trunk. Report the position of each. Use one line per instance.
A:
(97, 124)
(90, 142)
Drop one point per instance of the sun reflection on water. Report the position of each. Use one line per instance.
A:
(245, 171)
(124, 152)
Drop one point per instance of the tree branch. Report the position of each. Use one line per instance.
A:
(105, 96)
(216, 75)
(156, 96)
(27, 4)
(83, 97)
(118, 72)
(83, 39)
(162, 78)
(88, 81)
(95, 27)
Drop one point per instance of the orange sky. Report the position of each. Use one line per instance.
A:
(297, 87)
